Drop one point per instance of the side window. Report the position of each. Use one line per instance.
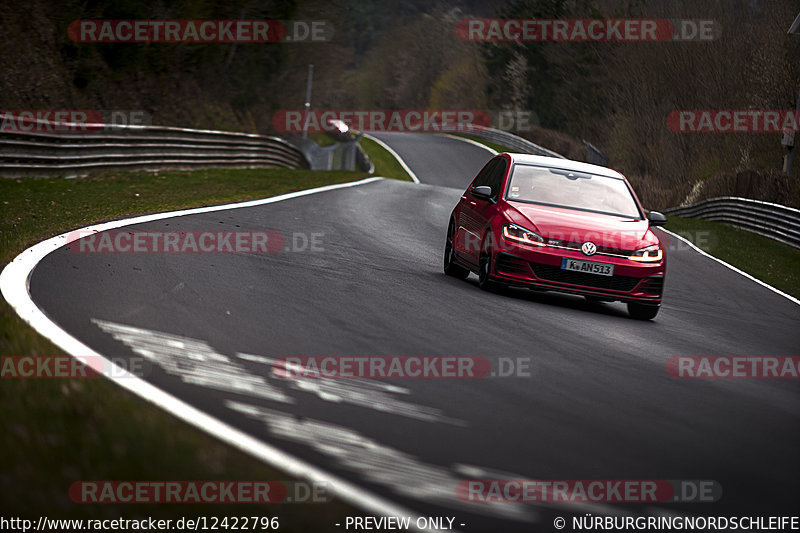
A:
(485, 175)
(496, 177)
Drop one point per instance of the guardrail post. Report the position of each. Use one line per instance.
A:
(307, 104)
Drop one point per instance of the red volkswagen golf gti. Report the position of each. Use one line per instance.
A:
(558, 225)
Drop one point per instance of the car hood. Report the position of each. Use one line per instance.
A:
(580, 226)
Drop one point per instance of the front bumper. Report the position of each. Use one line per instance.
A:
(541, 269)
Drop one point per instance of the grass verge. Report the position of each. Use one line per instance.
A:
(386, 165)
(770, 261)
(57, 431)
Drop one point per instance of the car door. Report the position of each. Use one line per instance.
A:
(484, 209)
(473, 215)
(467, 229)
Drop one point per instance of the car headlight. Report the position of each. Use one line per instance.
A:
(650, 254)
(515, 233)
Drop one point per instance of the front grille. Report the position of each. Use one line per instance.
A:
(556, 274)
(565, 244)
(576, 246)
(511, 265)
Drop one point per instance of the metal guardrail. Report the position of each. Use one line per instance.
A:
(594, 155)
(38, 151)
(769, 220)
(344, 154)
(512, 141)
(352, 156)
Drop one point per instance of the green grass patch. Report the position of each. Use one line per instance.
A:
(386, 165)
(770, 261)
(36, 208)
(58, 431)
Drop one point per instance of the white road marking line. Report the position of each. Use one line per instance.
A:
(14, 281)
(743, 273)
(371, 383)
(389, 149)
(193, 361)
(470, 141)
(197, 363)
(364, 393)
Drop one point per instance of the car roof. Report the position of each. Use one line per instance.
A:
(567, 164)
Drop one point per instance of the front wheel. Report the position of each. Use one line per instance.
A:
(450, 266)
(485, 280)
(642, 311)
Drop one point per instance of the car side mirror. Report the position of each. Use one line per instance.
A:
(482, 191)
(656, 218)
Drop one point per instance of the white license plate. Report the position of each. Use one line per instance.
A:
(590, 267)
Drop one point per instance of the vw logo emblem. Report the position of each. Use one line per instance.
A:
(588, 248)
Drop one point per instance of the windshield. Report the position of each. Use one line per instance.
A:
(572, 189)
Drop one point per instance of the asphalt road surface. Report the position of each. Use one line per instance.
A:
(598, 402)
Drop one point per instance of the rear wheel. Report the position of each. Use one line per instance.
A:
(643, 311)
(450, 266)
